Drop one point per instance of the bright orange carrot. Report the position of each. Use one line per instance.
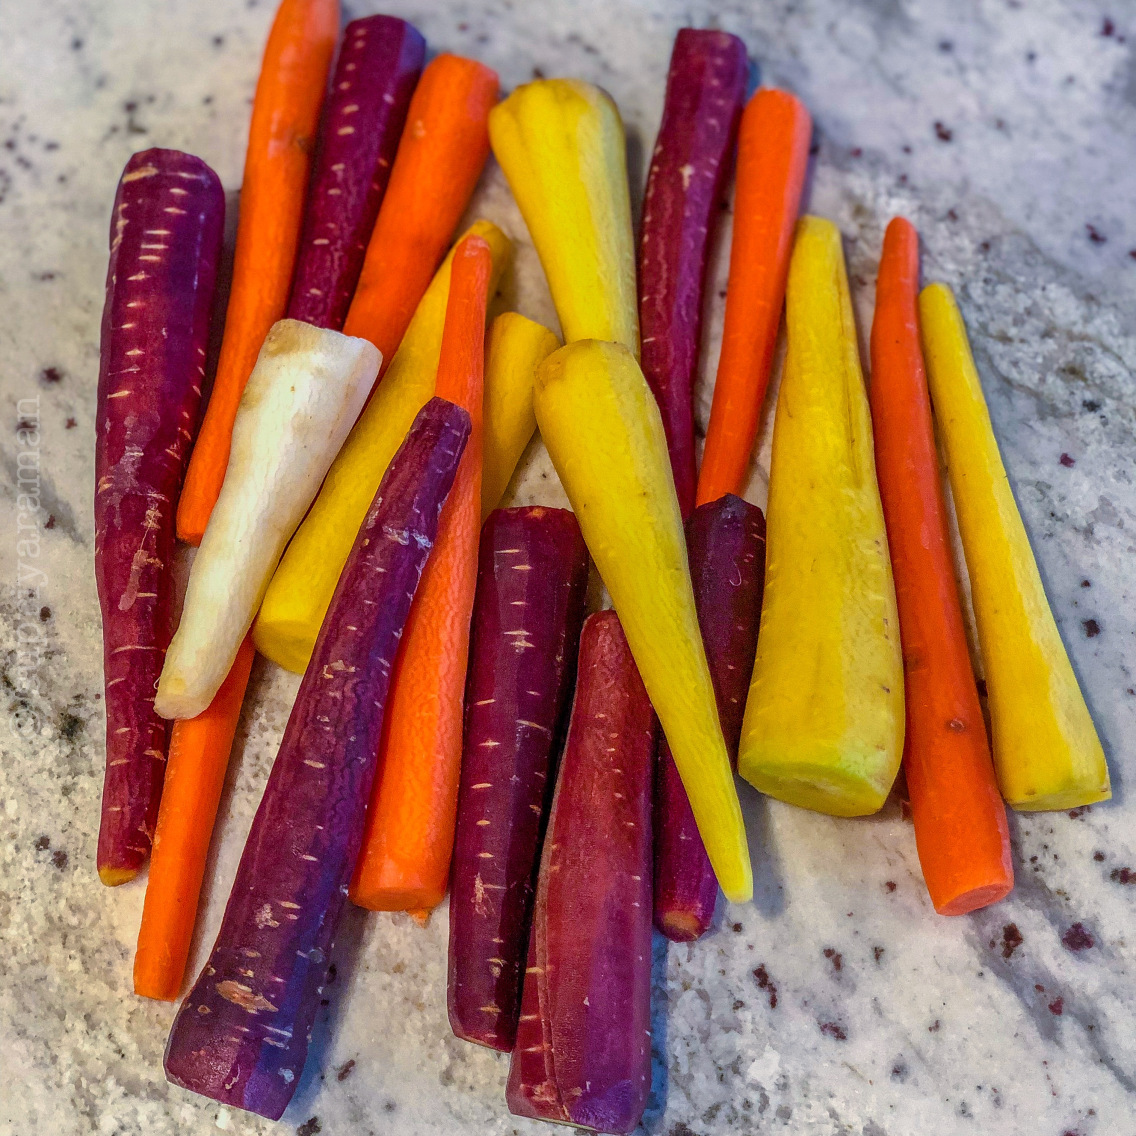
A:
(773, 153)
(405, 862)
(440, 156)
(960, 820)
(195, 775)
(285, 115)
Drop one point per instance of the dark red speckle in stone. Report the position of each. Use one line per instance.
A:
(70, 424)
(835, 957)
(344, 1070)
(50, 522)
(1092, 628)
(59, 859)
(764, 982)
(943, 132)
(1099, 856)
(890, 885)
(1095, 235)
(1011, 939)
(935, 1026)
(835, 1030)
(310, 1127)
(1057, 1006)
(1107, 27)
(1067, 461)
(877, 953)
(1119, 875)
(51, 375)
(1077, 938)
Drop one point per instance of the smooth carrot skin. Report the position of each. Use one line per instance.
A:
(773, 155)
(1046, 750)
(960, 820)
(440, 157)
(285, 117)
(195, 776)
(405, 861)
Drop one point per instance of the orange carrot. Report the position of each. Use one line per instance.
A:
(195, 775)
(773, 153)
(285, 115)
(405, 861)
(960, 820)
(440, 156)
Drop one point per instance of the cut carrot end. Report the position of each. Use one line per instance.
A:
(680, 926)
(419, 902)
(975, 898)
(113, 877)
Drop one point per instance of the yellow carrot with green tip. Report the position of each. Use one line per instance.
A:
(1046, 751)
(562, 147)
(824, 720)
(604, 432)
(301, 589)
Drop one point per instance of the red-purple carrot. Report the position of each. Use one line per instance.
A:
(532, 581)
(685, 185)
(583, 1049)
(379, 63)
(165, 244)
(726, 544)
(241, 1035)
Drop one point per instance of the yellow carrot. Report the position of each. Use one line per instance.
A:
(514, 349)
(824, 719)
(605, 435)
(301, 589)
(1046, 751)
(561, 145)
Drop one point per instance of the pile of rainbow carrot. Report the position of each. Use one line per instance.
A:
(463, 725)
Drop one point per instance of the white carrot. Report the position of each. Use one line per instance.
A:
(305, 393)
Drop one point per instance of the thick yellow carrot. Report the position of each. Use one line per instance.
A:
(513, 350)
(824, 720)
(605, 435)
(301, 589)
(561, 145)
(1046, 751)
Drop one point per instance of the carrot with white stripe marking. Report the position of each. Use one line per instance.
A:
(241, 1036)
(165, 243)
(532, 581)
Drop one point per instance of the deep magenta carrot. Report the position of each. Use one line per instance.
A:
(532, 581)
(583, 1050)
(285, 117)
(165, 244)
(960, 820)
(241, 1036)
(726, 543)
(691, 161)
(378, 66)
(773, 154)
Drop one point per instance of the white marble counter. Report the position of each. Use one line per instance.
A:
(838, 1002)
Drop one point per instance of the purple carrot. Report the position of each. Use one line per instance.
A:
(685, 185)
(166, 229)
(532, 580)
(583, 1050)
(726, 543)
(241, 1035)
(378, 68)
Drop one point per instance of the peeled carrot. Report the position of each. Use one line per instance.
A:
(960, 820)
(773, 152)
(440, 156)
(409, 839)
(285, 116)
(195, 775)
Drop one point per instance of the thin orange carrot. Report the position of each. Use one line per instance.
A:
(405, 861)
(960, 820)
(285, 115)
(773, 153)
(440, 157)
(195, 775)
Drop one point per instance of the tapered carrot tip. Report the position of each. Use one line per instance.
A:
(421, 916)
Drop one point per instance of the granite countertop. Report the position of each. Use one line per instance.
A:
(837, 1002)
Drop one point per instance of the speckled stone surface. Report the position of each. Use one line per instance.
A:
(837, 1003)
